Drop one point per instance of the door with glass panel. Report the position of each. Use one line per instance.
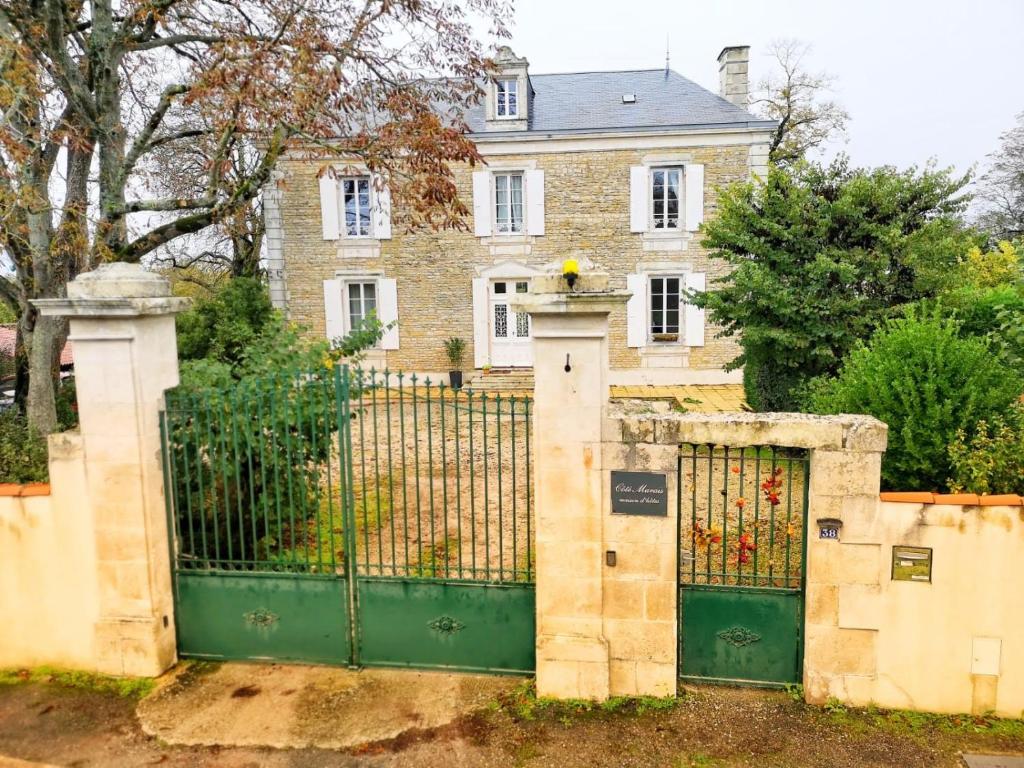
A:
(510, 331)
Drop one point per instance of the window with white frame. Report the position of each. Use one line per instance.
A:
(666, 186)
(506, 94)
(355, 205)
(508, 203)
(361, 302)
(666, 300)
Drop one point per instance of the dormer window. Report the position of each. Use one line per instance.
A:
(506, 94)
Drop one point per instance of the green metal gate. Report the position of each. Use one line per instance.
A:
(742, 533)
(351, 517)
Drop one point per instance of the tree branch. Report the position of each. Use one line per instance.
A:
(169, 204)
(245, 191)
(173, 40)
(141, 143)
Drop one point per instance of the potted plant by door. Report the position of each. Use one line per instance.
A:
(455, 349)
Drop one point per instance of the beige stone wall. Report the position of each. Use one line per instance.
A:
(586, 215)
(85, 578)
(49, 592)
(953, 645)
(611, 628)
(640, 591)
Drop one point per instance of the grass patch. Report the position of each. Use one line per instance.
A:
(125, 687)
(909, 723)
(697, 760)
(523, 704)
(437, 561)
(322, 534)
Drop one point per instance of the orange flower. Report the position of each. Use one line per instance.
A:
(740, 502)
(735, 470)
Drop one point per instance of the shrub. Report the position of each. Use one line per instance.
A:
(989, 269)
(223, 326)
(977, 310)
(269, 392)
(926, 382)
(992, 459)
(455, 350)
(23, 454)
(769, 387)
(818, 258)
(66, 401)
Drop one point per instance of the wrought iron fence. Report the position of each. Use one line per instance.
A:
(441, 481)
(742, 515)
(292, 472)
(253, 486)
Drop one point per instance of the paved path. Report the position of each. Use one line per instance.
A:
(993, 761)
(694, 398)
(292, 706)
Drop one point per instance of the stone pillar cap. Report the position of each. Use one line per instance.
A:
(115, 290)
(596, 302)
(119, 280)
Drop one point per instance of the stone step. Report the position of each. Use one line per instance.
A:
(504, 380)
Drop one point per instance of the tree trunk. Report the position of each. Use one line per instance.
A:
(20, 371)
(63, 256)
(41, 406)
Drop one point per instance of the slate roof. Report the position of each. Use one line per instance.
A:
(591, 102)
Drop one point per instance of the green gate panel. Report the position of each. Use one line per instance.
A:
(466, 626)
(736, 635)
(266, 617)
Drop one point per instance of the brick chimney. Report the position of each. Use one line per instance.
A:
(734, 84)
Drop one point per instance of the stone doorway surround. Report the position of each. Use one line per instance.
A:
(509, 270)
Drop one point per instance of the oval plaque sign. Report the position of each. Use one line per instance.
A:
(639, 493)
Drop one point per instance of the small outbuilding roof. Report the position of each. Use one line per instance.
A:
(8, 340)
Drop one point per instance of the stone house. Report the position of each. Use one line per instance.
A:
(616, 169)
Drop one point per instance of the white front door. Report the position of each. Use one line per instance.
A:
(510, 331)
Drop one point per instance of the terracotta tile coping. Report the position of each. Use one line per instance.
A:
(28, 489)
(968, 499)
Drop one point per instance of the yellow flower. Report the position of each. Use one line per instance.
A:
(570, 267)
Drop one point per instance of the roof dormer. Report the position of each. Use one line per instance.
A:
(509, 93)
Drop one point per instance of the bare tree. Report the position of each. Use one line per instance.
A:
(1000, 195)
(799, 101)
(89, 92)
(233, 245)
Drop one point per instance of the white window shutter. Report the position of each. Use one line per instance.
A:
(535, 202)
(694, 180)
(387, 311)
(334, 309)
(636, 311)
(693, 316)
(481, 336)
(329, 205)
(638, 194)
(382, 213)
(482, 203)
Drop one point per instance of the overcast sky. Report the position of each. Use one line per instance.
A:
(921, 79)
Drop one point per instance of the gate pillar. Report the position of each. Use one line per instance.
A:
(122, 329)
(570, 340)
